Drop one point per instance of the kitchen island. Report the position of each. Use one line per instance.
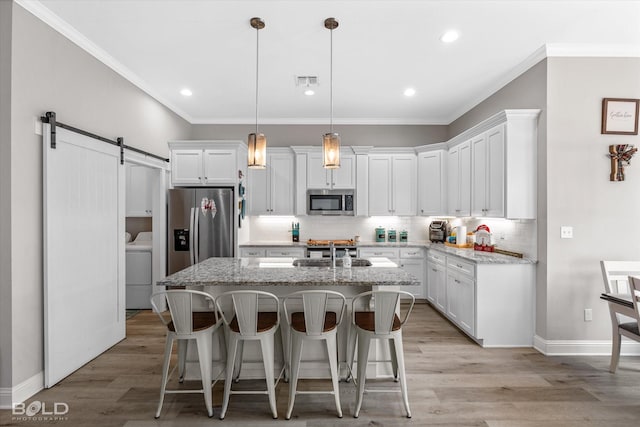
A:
(280, 277)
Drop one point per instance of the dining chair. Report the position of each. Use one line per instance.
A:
(317, 321)
(381, 322)
(185, 323)
(624, 317)
(244, 321)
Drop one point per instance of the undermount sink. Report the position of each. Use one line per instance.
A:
(326, 262)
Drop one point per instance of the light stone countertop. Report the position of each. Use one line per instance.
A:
(279, 271)
(467, 254)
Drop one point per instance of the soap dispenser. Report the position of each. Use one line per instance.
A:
(346, 259)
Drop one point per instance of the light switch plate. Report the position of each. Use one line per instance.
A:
(566, 232)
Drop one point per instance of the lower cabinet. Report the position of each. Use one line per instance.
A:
(492, 303)
(461, 300)
(272, 252)
(437, 280)
(411, 259)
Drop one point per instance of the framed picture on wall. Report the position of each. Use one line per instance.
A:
(620, 116)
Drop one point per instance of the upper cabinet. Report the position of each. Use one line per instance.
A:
(271, 191)
(432, 182)
(392, 184)
(206, 163)
(319, 178)
(492, 167)
(488, 167)
(138, 190)
(459, 179)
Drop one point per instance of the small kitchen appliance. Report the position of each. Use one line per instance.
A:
(438, 230)
(330, 202)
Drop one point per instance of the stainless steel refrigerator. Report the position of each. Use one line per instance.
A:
(200, 226)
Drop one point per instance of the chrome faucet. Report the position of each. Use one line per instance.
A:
(332, 251)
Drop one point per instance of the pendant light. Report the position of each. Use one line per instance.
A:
(257, 142)
(331, 140)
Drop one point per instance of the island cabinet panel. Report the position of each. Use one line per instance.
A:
(493, 303)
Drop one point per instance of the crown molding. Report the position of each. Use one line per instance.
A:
(549, 50)
(45, 15)
(383, 121)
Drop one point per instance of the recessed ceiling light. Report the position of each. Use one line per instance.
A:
(186, 92)
(309, 92)
(450, 36)
(409, 92)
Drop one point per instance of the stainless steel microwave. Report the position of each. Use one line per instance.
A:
(330, 202)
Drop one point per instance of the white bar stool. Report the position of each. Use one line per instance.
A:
(244, 322)
(381, 323)
(184, 324)
(315, 322)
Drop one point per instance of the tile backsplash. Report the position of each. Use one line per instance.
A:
(518, 236)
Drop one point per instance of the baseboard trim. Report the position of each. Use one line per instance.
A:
(21, 392)
(583, 347)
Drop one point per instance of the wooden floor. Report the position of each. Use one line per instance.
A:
(452, 382)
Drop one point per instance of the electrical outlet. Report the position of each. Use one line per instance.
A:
(566, 232)
(588, 315)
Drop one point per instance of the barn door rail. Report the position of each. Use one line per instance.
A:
(50, 117)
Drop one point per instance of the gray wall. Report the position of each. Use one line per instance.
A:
(52, 73)
(5, 193)
(529, 90)
(286, 135)
(604, 214)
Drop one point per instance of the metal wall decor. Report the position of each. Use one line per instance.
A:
(620, 156)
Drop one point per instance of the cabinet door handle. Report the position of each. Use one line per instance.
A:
(433, 269)
(458, 265)
(456, 280)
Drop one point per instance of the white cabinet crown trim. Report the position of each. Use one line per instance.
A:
(493, 121)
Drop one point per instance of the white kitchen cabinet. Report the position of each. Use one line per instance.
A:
(436, 279)
(459, 179)
(488, 173)
(375, 252)
(461, 294)
(206, 163)
(219, 167)
(392, 184)
(432, 183)
(272, 252)
(138, 191)
(270, 191)
(493, 303)
(320, 178)
(412, 259)
(497, 176)
(283, 252)
(186, 167)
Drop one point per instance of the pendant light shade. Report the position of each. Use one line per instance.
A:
(257, 145)
(331, 140)
(257, 142)
(331, 150)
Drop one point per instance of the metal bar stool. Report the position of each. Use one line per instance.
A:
(245, 322)
(184, 324)
(381, 323)
(315, 322)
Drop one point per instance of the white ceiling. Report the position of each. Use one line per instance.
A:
(380, 48)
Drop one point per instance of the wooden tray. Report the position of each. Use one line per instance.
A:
(312, 242)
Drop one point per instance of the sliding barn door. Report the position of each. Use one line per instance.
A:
(84, 293)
